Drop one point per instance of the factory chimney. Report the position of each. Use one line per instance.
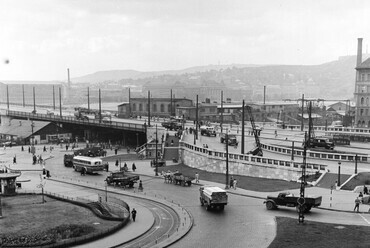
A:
(359, 52)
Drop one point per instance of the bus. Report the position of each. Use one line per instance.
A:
(88, 164)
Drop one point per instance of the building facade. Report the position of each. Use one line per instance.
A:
(362, 89)
(160, 107)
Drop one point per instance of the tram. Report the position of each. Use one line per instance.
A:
(88, 164)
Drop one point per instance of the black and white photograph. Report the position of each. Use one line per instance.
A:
(171, 123)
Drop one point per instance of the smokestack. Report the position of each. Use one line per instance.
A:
(69, 81)
(359, 52)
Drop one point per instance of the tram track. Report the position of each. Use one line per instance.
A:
(166, 220)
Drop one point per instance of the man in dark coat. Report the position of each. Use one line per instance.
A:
(133, 214)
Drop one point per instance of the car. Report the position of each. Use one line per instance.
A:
(232, 141)
(322, 143)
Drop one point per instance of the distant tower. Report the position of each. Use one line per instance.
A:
(362, 89)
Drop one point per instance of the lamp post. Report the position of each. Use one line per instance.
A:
(356, 158)
(32, 138)
(156, 150)
(338, 183)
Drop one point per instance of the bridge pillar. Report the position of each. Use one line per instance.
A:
(5, 120)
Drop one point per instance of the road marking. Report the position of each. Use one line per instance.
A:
(368, 222)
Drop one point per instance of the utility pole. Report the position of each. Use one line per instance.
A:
(53, 98)
(99, 106)
(222, 109)
(227, 160)
(7, 95)
(129, 102)
(156, 150)
(196, 119)
(34, 100)
(148, 108)
(88, 99)
(301, 199)
(60, 102)
(243, 116)
(302, 112)
(24, 103)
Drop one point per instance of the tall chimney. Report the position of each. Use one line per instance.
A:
(359, 52)
(69, 81)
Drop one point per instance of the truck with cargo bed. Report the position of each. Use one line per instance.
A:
(289, 200)
(213, 197)
(121, 178)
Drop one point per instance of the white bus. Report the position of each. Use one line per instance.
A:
(88, 164)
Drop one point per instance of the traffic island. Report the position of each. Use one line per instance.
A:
(48, 221)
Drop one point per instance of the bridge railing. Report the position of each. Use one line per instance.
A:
(69, 119)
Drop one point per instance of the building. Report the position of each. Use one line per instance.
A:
(362, 89)
(160, 107)
(22, 132)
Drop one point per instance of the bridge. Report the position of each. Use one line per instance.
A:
(126, 125)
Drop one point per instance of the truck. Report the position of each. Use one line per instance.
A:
(231, 139)
(122, 178)
(289, 200)
(68, 160)
(213, 197)
(207, 130)
(159, 163)
(171, 125)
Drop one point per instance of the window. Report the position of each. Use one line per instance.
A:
(140, 107)
(162, 107)
(368, 77)
(362, 77)
(212, 110)
(367, 101)
(134, 107)
(361, 112)
(154, 107)
(366, 112)
(362, 101)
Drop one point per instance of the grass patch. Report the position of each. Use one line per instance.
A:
(244, 182)
(317, 234)
(26, 221)
(359, 180)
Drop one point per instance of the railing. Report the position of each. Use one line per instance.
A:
(57, 118)
(318, 154)
(237, 157)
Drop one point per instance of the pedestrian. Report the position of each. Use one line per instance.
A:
(360, 195)
(231, 182)
(141, 186)
(117, 162)
(366, 192)
(29, 149)
(133, 214)
(14, 159)
(125, 168)
(197, 177)
(133, 167)
(357, 205)
(115, 151)
(44, 148)
(276, 134)
(22, 149)
(234, 183)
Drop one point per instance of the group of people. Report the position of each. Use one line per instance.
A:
(125, 168)
(233, 183)
(359, 199)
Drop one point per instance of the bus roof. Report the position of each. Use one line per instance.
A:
(87, 158)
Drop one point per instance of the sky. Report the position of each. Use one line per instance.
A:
(40, 39)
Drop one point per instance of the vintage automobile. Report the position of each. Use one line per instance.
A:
(289, 200)
(231, 139)
(122, 178)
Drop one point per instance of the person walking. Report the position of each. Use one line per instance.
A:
(234, 183)
(231, 182)
(197, 177)
(366, 192)
(133, 167)
(357, 204)
(15, 159)
(141, 186)
(133, 214)
(117, 162)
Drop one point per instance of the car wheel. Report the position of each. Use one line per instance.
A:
(270, 205)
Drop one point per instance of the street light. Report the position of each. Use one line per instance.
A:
(339, 163)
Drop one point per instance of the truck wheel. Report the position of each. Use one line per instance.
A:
(208, 207)
(270, 205)
(189, 183)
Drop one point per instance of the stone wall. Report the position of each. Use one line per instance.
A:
(204, 159)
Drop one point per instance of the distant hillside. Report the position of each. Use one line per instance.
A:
(116, 75)
(333, 80)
